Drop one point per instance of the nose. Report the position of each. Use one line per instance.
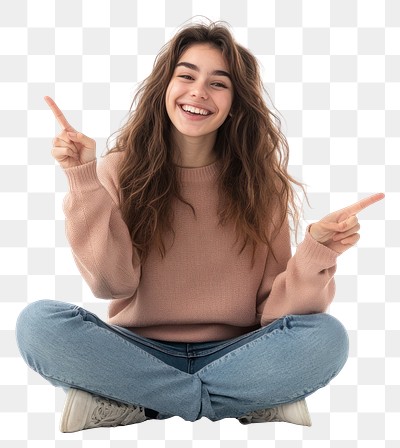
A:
(199, 91)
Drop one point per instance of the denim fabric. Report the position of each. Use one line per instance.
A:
(281, 363)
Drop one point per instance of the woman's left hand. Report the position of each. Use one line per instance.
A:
(339, 230)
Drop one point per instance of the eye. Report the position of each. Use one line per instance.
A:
(185, 77)
(219, 84)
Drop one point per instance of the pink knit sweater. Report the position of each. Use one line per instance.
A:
(202, 290)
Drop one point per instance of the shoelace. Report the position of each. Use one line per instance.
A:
(263, 415)
(267, 415)
(111, 413)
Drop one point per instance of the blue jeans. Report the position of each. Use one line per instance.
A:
(283, 362)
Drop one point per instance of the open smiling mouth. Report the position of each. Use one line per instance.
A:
(191, 110)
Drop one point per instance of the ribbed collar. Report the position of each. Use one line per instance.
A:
(203, 173)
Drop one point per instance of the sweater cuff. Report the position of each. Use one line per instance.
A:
(83, 177)
(314, 252)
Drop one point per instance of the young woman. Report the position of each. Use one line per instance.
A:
(184, 226)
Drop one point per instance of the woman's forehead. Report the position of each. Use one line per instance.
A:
(204, 53)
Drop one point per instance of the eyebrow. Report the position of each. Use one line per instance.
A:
(194, 67)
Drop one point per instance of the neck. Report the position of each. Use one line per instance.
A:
(194, 152)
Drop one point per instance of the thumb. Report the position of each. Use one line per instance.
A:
(84, 140)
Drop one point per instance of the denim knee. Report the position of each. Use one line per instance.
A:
(334, 341)
(30, 329)
(28, 318)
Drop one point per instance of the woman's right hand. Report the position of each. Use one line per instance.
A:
(70, 148)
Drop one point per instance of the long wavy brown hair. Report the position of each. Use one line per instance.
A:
(254, 182)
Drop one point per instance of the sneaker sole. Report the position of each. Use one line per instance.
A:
(66, 425)
(302, 410)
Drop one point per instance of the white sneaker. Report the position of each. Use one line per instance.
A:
(296, 413)
(83, 410)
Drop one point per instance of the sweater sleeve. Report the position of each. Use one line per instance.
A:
(298, 284)
(98, 236)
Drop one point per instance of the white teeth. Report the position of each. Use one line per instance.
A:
(195, 110)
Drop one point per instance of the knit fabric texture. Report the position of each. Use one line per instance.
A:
(204, 289)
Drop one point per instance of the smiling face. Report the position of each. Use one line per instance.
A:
(200, 93)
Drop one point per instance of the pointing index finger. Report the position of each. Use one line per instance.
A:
(60, 117)
(364, 203)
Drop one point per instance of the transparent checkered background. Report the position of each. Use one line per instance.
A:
(332, 69)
